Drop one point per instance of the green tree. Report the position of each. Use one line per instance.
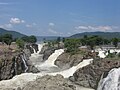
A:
(32, 39)
(29, 39)
(7, 38)
(20, 43)
(115, 41)
(63, 39)
(58, 41)
(72, 45)
(25, 39)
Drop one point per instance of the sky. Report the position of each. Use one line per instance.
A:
(60, 17)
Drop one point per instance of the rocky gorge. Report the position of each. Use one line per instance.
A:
(58, 70)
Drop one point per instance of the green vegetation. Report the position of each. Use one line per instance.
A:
(29, 39)
(20, 43)
(72, 45)
(115, 41)
(7, 38)
(113, 56)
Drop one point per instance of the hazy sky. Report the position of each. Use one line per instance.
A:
(60, 17)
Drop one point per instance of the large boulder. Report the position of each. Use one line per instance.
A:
(49, 83)
(66, 60)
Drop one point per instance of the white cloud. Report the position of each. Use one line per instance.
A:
(6, 26)
(94, 28)
(31, 25)
(51, 24)
(81, 27)
(16, 21)
(52, 31)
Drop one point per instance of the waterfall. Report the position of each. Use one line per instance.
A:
(39, 48)
(69, 72)
(22, 79)
(48, 65)
(111, 82)
(15, 66)
(53, 57)
(34, 51)
(24, 62)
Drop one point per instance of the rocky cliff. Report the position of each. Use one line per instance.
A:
(15, 63)
(89, 76)
(11, 64)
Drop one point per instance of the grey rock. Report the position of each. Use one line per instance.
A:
(50, 83)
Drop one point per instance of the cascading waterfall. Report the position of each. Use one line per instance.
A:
(111, 82)
(52, 58)
(34, 51)
(24, 62)
(69, 72)
(22, 79)
(48, 65)
(39, 48)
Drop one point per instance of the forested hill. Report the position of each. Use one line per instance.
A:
(13, 33)
(107, 35)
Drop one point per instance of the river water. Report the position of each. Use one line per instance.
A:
(47, 68)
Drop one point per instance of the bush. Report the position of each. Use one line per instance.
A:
(20, 43)
(72, 45)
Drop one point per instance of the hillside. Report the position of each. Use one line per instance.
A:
(14, 33)
(107, 35)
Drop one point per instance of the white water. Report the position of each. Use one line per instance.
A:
(24, 62)
(36, 54)
(104, 53)
(111, 82)
(69, 72)
(21, 80)
(52, 58)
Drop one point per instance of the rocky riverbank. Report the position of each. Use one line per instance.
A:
(67, 60)
(90, 75)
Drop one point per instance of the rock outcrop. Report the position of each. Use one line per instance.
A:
(32, 47)
(15, 63)
(67, 60)
(49, 83)
(89, 76)
(47, 51)
(11, 64)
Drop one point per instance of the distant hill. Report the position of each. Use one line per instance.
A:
(41, 38)
(107, 35)
(13, 33)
